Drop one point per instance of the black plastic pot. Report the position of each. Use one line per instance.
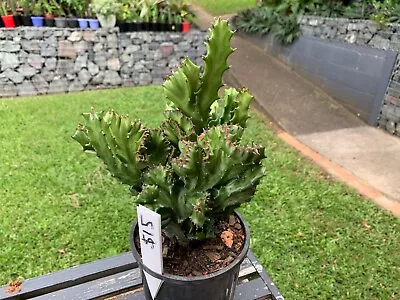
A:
(61, 22)
(123, 26)
(18, 20)
(178, 27)
(26, 20)
(216, 286)
(49, 22)
(72, 23)
(134, 27)
(146, 26)
(164, 27)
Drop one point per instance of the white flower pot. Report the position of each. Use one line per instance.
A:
(107, 21)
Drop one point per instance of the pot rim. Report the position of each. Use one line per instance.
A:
(168, 277)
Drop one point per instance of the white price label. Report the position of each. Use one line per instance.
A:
(151, 246)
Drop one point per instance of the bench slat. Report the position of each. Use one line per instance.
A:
(103, 287)
(268, 281)
(115, 284)
(70, 277)
(116, 275)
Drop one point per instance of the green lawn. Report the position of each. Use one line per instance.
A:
(317, 238)
(220, 7)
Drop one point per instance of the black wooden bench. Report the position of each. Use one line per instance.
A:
(118, 278)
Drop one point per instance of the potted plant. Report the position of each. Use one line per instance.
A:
(154, 25)
(49, 8)
(26, 8)
(193, 171)
(81, 11)
(8, 19)
(178, 22)
(106, 11)
(37, 11)
(134, 24)
(123, 17)
(93, 22)
(163, 22)
(146, 14)
(171, 20)
(61, 20)
(17, 17)
(183, 14)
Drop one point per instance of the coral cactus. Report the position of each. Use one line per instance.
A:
(194, 170)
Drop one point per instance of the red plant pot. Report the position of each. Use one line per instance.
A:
(8, 21)
(185, 26)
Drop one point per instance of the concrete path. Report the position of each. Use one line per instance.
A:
(363, 156)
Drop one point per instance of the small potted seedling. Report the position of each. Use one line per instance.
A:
(171, 20)
(17, 16)
(134, 23)
(93, 22)
(61, 20)
(155, 24)
(193, 171)
(49, 8)
(163, 22)
(106, 11)
(178, 22)
(26, 8)
(123, 17)
(81, 13)
(37, 17)
(8, 19)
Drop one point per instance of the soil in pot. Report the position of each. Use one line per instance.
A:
(203, 258)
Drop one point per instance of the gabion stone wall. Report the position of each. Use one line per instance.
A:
(366, 33)
(37, 61)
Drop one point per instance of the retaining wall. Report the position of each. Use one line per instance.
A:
(371, 34)
(355, 61)
(37, 61)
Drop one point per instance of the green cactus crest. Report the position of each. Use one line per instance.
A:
(193, 170)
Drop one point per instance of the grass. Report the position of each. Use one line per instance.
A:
(220, 7)
(317, 238)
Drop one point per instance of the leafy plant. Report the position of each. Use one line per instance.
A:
(286, 30)
(192, 170)
(37, 8)
(3, 9)
(105, 7)
(154, 14)
(26, 6)
(49, 6)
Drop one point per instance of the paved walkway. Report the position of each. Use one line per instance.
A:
(363, 156)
